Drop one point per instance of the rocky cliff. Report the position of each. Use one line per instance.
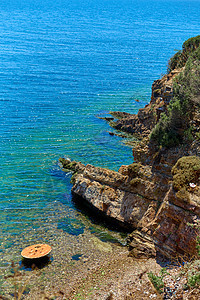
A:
(147, 117)
(158, 196)
(143, 198)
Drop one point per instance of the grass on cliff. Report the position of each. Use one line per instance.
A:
(134, 172)
(175, 127)
(185, 171)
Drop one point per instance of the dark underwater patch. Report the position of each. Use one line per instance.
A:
(71, 226)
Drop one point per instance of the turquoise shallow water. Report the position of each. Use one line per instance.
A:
(61, 65)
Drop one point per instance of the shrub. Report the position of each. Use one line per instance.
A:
(183, 195)
(174, 126)
(191, 44)
(157, 281)
(194, 280)
(186, 170)
(168, 131)
(176, 61)
(180, 58)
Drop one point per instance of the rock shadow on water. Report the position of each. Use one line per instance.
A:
(105, 236)
(37, 263)
(98, 218)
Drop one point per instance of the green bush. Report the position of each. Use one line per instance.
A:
(174, 127)
(186, 170)
(183, 195)
(198, 244)
(169, 131)
(176, 61)
(191, 44)
(180, 58)
(157, 281)
(194, 280)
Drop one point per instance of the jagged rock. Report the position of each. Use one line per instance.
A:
(141, 245)
(112, 194)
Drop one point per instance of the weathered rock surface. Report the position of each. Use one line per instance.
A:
(142, 198)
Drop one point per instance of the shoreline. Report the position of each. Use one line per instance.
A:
(81, 267)
(157, 196)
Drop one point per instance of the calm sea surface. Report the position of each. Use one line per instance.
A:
(63, 64)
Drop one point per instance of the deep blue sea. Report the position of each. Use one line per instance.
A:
(62, 64)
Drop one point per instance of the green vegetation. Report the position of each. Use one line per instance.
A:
(73, 178)
(135, 172)
(194, 280)
(157, 281)
(186, 170)
(198, 244)
(193, 274)
(181, 57)
(175, 127)
(193, 268)
(68, 165)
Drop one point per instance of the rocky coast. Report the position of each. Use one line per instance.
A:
(143, 196)
(157, 197)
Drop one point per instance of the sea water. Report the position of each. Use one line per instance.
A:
(63, 64)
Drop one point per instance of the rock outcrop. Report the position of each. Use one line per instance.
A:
(146, 118)
(158, 196)
(143, 198)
